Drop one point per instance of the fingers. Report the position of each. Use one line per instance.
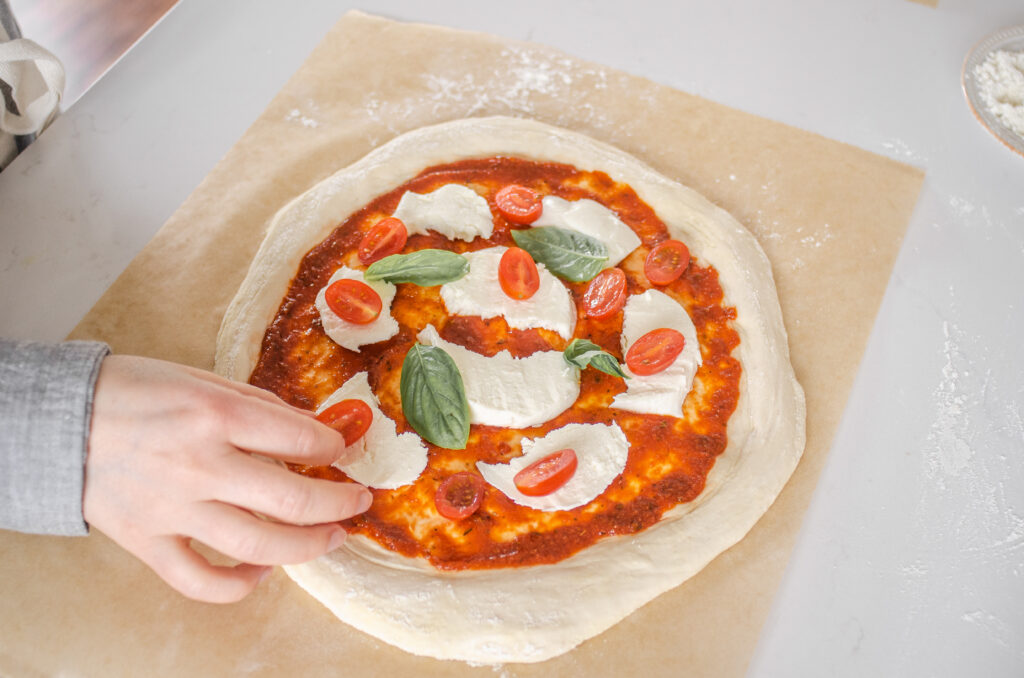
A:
(284, 433)
(242, 536)
(241, 388)
(176, 563)
(262, 422)
(275, 491)
(169, 456)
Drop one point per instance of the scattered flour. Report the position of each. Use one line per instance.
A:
(897, 148)
(1001, 84)
(969, 478)
(968, 549)
(996, 628)
(817, 238)
(524, 79)
(986, 223)
(950, 430)
(295, 115)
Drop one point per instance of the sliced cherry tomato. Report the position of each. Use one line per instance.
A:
(605, 294)
(546, 475)
(518, 204)
(666, 262)
(460, 495)
(354, 301)
(654, 351)
(351, 418)
(518, 274)
(387, 237)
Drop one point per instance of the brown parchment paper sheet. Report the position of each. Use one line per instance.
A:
(830, 216)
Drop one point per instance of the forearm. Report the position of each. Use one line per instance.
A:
(46, 394)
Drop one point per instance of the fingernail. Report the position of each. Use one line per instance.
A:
(263, 575)
(364, 502)
(336, 539)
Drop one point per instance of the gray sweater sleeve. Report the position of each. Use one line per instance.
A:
(46, 395)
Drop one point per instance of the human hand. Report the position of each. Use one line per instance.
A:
(170, 459)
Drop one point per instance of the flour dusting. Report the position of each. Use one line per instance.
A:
(297, 115)
(970, 525)
(985, 223)
(901, 149)
(950, 431)
(531, 74)
(962, 207)
(524, 81)
(996, 628)
(817, 238)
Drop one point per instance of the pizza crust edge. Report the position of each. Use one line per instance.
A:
(535, 613)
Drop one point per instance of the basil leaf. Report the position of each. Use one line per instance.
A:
(581, 353)
(433, 397)
(566, 253)
(424, 268)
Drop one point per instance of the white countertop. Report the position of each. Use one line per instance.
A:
(911, 558)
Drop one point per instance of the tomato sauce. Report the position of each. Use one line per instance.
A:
(669, 457)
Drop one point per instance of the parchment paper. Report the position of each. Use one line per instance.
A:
(831, 218)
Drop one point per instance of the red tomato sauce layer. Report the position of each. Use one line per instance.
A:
(669, 458)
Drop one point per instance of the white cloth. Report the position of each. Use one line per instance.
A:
(31, 85)
(36, 81)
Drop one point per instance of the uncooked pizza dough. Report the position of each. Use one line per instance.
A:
(533, 613)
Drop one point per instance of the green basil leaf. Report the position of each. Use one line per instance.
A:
(433, 397)
(582, 353)
(566, 253)
(424, 268)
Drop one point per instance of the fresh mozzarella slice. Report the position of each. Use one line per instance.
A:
(352, 335)
(388, 459)
(664, 392)
(454, 211)
(601, 453)
(593, 219)
(479, 293)
(511, 392)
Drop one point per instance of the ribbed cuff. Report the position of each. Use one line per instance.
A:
(46, 393)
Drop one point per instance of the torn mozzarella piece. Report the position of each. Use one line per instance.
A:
(664, 392)
(479, 293)
(601, 453)
(513, 392)
(353, 335)
(454, 211)
(593, 219)
(388, 459)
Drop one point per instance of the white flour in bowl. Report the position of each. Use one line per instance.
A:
(1001, 83)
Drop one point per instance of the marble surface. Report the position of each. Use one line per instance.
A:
(911, 558)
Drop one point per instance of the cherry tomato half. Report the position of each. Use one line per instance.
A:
(459, 495)
(654, 351)
(518, 274)
(518, 204)
(387, 237)
(666, 262)
(605, 294)
(351, 418)
(354, 301)
(546, 475)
